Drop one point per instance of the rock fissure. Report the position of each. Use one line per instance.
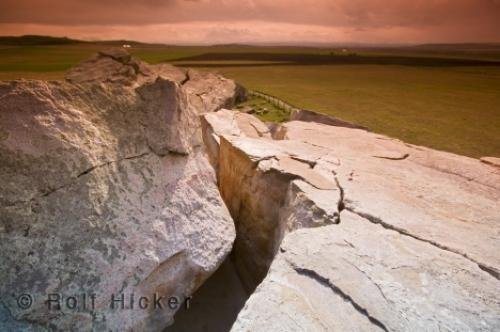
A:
(366, 274)
(403, 157)
(93, 168)
(311, 164)
(378, 273)
(491, 271)
(51, 191)
(459, 175)
(340, 204)
(186, 79)
(292, 176)
(257, 129)
(328, 283)
(257, 162)
(375, 220)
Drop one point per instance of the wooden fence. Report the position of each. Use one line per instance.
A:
(274, 101)
(295, 113)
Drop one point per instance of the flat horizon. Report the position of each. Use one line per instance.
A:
(267, 43)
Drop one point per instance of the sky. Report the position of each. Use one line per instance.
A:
(257, 21)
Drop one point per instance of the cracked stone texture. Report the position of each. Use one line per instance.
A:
(359, 276)
(377, 234)
(491, 161)
(227, 122)
(437, 197)
(105, 189)
(257, 176)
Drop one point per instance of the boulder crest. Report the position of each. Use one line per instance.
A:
(113, 65)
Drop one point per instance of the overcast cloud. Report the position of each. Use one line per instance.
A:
(210, 21)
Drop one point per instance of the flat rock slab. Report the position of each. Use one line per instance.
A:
(359, 276)
(369, 233)
(448, 200)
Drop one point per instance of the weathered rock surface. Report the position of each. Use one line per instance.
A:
(256, 177)
(104, 190)
(437, 197)
(377, 234)
(226, 122)
(491, 161)
(359, 276)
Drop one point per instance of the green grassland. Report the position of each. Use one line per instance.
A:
(441, 97)
(264, 110)
(451, 109)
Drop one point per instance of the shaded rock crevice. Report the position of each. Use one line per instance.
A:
(264, 191)
(265, 195)
(186, 79)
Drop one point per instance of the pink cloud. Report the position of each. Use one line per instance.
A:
(257, 20)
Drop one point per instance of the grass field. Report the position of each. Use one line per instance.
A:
(264, 110)
(442, 98)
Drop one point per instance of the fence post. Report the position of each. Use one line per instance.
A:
(281, 104)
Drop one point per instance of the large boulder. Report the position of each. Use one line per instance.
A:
(343, 229)
(105, 192)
